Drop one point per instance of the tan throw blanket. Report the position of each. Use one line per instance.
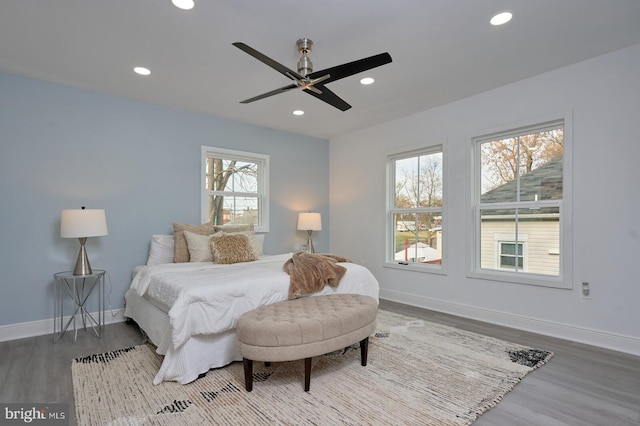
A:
(310, 272)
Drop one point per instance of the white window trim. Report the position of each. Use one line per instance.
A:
(565, 278)
(388, 253)
(263, 181)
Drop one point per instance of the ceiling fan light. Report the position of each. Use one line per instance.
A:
(501, 18)
(367, 80)
(184, 4)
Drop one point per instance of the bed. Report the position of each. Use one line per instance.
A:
(189, 310)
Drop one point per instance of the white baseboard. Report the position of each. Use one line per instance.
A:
(588, 336)
(616, 342)
(42, 327)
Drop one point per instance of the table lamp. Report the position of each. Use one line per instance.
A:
(309, 222)
(82, 223)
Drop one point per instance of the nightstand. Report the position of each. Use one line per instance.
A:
(78, 288)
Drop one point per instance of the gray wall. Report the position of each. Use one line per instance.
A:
(603, 97)
(62, 147)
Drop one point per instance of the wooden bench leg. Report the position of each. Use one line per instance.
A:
(248, 374)
(364, 348)
(307, 374)
(248, 367)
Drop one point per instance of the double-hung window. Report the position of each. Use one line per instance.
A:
(235, 188)
(519, 210)
(415, 209)
(511, 255)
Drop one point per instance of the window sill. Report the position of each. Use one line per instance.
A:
(521, 278)
(429, 269)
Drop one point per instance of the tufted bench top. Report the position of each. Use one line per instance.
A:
(304, 328)
(306, 320)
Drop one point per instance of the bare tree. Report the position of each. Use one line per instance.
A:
(504, 159)
(431, 182)
(419, 185)
(219, 172)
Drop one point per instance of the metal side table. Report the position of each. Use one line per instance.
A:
(78, 288)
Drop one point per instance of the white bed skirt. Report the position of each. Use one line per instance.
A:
(199, 354)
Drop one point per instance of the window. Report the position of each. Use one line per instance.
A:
(415, 213)
(519, 205)
(511, 255)
(234, 188)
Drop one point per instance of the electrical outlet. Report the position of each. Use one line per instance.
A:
(586, 291)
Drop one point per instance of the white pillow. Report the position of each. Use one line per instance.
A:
(198, 245)
(161, 250)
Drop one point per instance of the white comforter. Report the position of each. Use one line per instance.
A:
(208, 298)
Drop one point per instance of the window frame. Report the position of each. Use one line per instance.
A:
(389, 261)
(474, 269)
(262, 160)
(519, 255)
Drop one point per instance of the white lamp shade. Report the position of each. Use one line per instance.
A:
(309, 222)
(81, 223)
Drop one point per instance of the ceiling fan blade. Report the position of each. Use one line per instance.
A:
(351, 68)
(329, 97)
(313, 89)
(268, 61)
(271, 93)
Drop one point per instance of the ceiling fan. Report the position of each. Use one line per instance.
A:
(312, 82)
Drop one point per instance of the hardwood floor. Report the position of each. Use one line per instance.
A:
(34, 370)
(581, 385)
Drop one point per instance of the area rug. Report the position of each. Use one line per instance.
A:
(418, 373)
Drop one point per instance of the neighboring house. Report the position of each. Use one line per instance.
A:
(535, 249)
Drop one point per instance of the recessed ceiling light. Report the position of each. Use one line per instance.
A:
(367, 80)
(184, 4)
(298, 112)
(501, 18)
(142, 70)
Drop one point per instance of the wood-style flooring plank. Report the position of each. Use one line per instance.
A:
(581, 384)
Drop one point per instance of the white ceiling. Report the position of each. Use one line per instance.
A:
(442, 50)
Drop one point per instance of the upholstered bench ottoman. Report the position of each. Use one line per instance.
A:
(304, 328)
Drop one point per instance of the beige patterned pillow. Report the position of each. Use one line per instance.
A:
(181, 249)
(256, 246)
(231, 248)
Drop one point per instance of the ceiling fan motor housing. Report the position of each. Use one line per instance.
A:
(305, 66)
